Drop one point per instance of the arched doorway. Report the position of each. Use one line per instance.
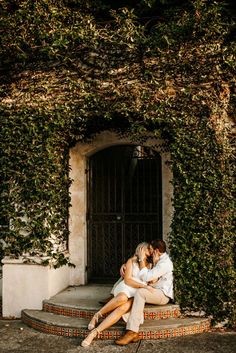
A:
(124, 206)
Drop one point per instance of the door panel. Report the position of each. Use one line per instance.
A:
(124, 207)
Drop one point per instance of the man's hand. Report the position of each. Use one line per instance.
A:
(153, 281)
(122, 270)
(151, 289)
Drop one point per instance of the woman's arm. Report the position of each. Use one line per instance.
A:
(129, 280)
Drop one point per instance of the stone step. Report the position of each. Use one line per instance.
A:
(151, 312)
(83, 302)
(77, 327)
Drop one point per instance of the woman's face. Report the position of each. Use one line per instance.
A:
(148, 251)
(144, 250)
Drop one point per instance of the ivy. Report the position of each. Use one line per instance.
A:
(67, 76)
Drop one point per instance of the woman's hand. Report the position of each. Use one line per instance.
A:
(142, 254)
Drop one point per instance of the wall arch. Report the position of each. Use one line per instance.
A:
(79, 156)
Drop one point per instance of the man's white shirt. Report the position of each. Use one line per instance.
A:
(163, 273)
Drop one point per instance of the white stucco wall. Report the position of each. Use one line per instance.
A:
(27, 285)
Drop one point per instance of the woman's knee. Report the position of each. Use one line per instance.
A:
(121, 298)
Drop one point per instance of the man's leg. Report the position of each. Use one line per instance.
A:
(141, 297)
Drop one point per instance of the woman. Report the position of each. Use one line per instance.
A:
(123, 294)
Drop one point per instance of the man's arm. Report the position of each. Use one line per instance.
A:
(154, 274)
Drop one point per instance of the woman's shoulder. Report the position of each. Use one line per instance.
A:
(132, 260)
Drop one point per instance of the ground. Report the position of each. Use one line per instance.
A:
(16, 337)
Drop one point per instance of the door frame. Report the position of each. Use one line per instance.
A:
(79, 156)
(126, 221)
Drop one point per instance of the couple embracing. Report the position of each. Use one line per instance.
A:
(144, 281)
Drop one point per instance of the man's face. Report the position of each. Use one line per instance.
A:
(156, 255)
(150, 248)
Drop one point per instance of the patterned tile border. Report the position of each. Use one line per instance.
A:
(113, 334)
(155, 314)
(66, 311)
(161, 314)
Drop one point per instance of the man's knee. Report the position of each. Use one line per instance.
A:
(141, 293)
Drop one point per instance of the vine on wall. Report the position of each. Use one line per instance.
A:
(71, 77)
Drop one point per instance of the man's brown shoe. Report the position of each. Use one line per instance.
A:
(129, 337)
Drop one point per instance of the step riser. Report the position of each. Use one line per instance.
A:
(155, 314)
(112, 334)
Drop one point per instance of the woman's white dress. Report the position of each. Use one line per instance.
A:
(124, 288)
(128, 290)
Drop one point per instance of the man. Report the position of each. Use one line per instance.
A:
(160, 292)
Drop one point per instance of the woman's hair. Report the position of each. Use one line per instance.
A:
(141, 245)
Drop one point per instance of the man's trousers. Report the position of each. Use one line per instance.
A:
(141, 297)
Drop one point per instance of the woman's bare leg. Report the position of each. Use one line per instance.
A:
(115, 315)
(115, 302)
(110, 320)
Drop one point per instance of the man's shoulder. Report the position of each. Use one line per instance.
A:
(165, 257)
(165, 260)
(169, 259)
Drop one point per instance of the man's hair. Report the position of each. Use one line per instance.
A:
(159, 244)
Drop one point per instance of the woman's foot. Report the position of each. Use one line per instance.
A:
(94, 320)
(88, 340)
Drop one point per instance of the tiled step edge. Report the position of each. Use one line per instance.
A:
(150, 312)
(70, 327)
